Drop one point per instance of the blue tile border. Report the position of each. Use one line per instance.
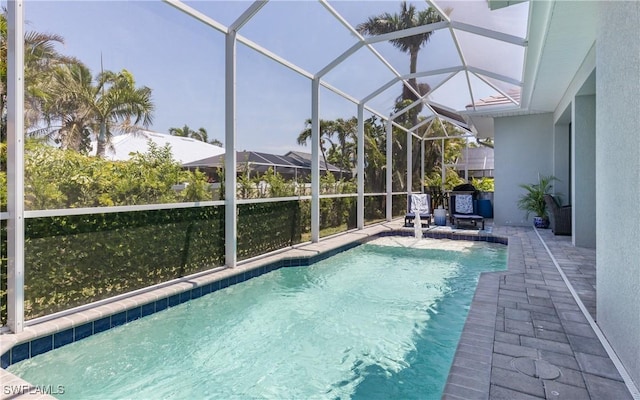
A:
(20, 352)
(5, 359)
(62, 338)
(41, 345)
(134, 314)
(119, 319)
(148, 309)
(480, 237)
(82, 331)
(101, 325)
(56, 340)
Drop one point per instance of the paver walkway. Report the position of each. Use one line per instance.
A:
(526, 337)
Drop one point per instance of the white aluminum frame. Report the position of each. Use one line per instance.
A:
(230, 192)
(315, 160)
(16, 213)
(15, 166)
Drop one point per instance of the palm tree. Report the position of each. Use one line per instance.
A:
(113, 104)
(408, 17)
(69, 119)
(216, 142)
(346, 131)
(40, 58)
(201, 134)
(326, 131)
(182, 132)
(375, 155)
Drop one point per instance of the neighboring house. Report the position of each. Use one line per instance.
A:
(478, 161)
(305, 159)
(293, 165)
(184, 150)
(483, 124)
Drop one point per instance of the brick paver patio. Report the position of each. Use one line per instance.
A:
(526, 337)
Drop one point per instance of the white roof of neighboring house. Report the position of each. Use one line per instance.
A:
(479, 159)
(185, 150)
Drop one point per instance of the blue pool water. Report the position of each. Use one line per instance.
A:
(371, 322)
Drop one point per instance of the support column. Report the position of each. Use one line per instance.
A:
(15, 166)
(409, 166)
(230, 193)
(315, 160)
(360, 167)
(443, 171)
(466, 160)
(562, 160)
(421, 165)
(583, 170)
(389, 171)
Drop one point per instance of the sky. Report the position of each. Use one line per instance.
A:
(182, 59)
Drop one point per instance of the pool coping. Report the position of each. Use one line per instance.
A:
(53, 333)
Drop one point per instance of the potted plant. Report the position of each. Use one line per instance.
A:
(485, 186)
(533, 200)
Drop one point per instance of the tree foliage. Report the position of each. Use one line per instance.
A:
(408, 17)
(338, 145)
(483, 184)
(201, 134)
(76, 106)
(40, 58)
(56, 178)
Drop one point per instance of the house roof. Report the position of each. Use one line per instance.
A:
(305, 159)
(184, 150)
(291, 160)
(497, 100)
(477, 158)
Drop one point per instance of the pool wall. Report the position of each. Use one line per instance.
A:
(50, 335)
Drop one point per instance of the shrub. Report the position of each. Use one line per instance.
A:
(483, 184)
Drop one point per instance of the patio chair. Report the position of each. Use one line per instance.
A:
(559, 216)
(461, 209)
(418, 203)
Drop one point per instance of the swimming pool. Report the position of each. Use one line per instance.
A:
(371, 322)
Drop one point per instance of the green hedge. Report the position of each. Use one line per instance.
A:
(375, 208)
(265, 227)
(338, 214)
(78, 259)
(3, 272)
(75, 260)
(399, 205)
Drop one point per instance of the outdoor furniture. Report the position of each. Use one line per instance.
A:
(451, 196)
(462, 209)
(559, 216)
(418, 203)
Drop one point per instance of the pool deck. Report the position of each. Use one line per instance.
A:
(526, 337)
(522, 322)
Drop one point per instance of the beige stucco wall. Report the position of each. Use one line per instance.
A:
(583, 182)
(523, 148)
(618, 179)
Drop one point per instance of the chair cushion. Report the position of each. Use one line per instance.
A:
(420, 204)
(464, 204)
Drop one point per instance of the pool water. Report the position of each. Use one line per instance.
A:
(371, 322)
